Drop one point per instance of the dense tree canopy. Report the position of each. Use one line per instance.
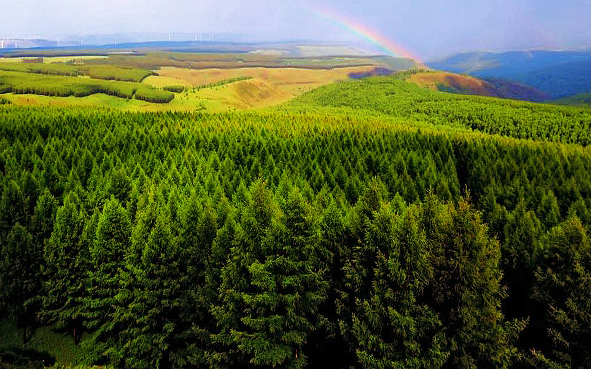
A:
(294, 239)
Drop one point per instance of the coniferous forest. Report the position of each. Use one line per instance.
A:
(417, 231)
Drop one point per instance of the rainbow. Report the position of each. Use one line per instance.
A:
(374, 37)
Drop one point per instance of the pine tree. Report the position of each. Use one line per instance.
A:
(563, 291)
(20, 277)
(254, 226)
(147, 324)
(199, 230)
(392, 325)
(65, 269)
(286, 288)
(104, 301)
(466, 292)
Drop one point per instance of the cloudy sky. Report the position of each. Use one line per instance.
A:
(427, 28)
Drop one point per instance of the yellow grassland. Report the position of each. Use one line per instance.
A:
(268, 87)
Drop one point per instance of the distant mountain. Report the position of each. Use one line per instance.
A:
(557, 73)
(576, 100)
(468, 85)
(7, 44)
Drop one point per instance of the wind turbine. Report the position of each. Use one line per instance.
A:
(2, 42)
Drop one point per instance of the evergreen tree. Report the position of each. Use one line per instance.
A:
(286, 288)
(466, 292)
(65, 269)
(104, 303)
(199, 230)
(254, 227)
(20, 277)
(147, 324)
(392, 325)
(563, 291)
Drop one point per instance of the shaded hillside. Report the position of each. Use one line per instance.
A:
(576, 100)
(562, 80)
(467, 85)
(557, 73)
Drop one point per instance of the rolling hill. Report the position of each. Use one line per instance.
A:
(558, 73)
(468, 85)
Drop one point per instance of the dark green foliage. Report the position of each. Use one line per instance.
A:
(562, 290)
(104, 312)
(151, 286)
(223, 82)
(177, 89)
(287, 287)
(579, 99)
(162, 245)
(391, 325)
(152, 95)
(66, 264)
(20, 271)
(466, 291)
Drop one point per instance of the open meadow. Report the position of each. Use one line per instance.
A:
(222, 87)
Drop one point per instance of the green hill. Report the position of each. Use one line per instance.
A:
(395, 98)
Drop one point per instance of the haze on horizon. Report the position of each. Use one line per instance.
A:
(427, 28)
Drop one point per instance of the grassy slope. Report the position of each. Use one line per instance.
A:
(269, 86)
(44, 339)
(290, 80)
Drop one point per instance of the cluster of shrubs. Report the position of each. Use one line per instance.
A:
(106, 72)
(223, 82)
(154, 96)
(177, 89)
(62, 86)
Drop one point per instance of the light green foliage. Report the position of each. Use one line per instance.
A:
(107, 72)
(177, 89)
(391, 97)
(63, 86)
(223, 82)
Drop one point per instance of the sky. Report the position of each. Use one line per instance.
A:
(426, 28)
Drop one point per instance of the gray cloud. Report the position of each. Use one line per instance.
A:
(427, 27)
